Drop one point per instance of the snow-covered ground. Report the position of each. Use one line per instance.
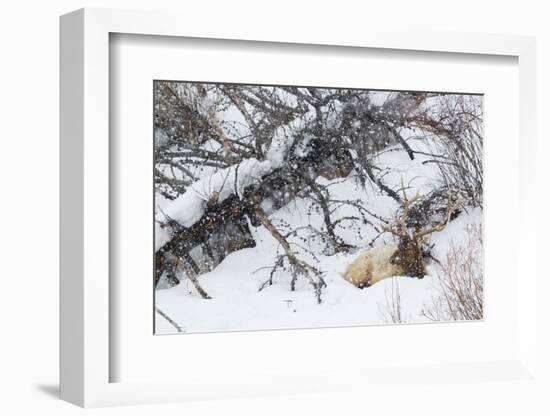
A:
(237, 303)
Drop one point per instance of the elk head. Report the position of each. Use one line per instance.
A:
(409, 255)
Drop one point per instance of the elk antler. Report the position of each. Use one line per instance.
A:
(402, 231)
(451, 207)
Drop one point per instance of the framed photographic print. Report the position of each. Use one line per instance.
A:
(286, 206)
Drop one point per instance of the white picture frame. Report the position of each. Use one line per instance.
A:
(86, 356)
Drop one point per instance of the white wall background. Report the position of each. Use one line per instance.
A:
(29, 207)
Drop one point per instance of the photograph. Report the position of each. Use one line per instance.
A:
(296, 207)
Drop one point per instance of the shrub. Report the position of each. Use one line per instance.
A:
(460, 281)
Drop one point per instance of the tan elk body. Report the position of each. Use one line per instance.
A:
(372, 266)
(403, 259)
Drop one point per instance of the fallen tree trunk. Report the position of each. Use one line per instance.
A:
(236, 209)
(184, 239)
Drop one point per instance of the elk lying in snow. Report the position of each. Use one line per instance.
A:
(403, 259)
